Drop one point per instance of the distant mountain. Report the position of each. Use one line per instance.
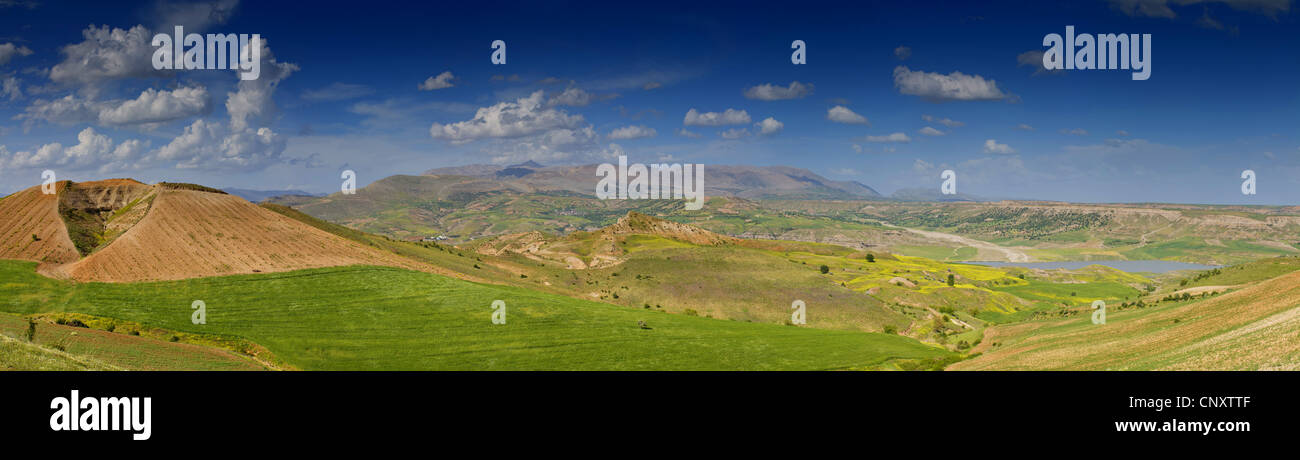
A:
(755, 182)
(257, 196)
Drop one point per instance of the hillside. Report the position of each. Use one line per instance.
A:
(31, 228)
(128, 231)
(378, 318)
(1249, 328)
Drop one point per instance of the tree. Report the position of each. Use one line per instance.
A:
(825, 269)
(951, 280)
(871, 258)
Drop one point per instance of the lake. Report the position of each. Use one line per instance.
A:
(1131, 266)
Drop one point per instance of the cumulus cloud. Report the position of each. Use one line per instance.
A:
(508, 119)
(151, 108)
(769, 126)
(9, 50)
(902, 53)
(252, 104)
(209, 145)
(155, 106)
(632, 132)
(893, 138)
(92, 150)
(992, 146)
(929, 131)
(842, 114)
(770, 92)
(441, 81)
(728, 117)
(106, 54)
(943, 121)
(685, 133)
(955, 86)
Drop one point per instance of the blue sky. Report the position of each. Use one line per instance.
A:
(344, 87)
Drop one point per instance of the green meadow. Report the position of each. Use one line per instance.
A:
(374, 318)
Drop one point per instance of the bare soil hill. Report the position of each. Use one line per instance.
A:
(31, 229)
(192, 233)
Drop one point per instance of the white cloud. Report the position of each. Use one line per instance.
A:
(928, 131)
(151, 108)
(992, 146)
(770, 92)
(1024, 127)
(943, 121)
(106, 54)
(508, 119)
(252, 104)
(1075, 132)
(1122, 133)
(210, 145)
(955, 86)
(769, 126)
(842, 114)
(92, 149)
(632, 132)
(902, 53)
(734, 133)
(441, 81)
(728, 117)
(155, 106)
(684, 133)
(9, 50)
(895, 137)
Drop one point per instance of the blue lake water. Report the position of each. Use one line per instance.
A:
(1131, 266)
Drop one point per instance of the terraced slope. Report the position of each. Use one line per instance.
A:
(31, 229)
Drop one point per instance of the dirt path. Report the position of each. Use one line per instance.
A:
(1012, 255)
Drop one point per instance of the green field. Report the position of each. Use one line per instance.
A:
(373, 318)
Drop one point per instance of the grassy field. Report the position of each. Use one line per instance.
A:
(374, 318)
(1253, 328)
(18, 355)
(129, 347)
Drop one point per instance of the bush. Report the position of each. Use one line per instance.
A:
(690, 312)
(871, 258)
(31, 330)
(76, 323)
(825, 269)
(891, 329)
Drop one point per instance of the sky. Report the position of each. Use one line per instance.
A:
(891, 94)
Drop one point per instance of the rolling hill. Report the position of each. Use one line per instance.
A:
(122, 230)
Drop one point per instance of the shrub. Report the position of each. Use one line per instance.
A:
(31, 330)
(871, 258)
(825, 269)
(690, 312)
(891, 329)
(76, 323)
